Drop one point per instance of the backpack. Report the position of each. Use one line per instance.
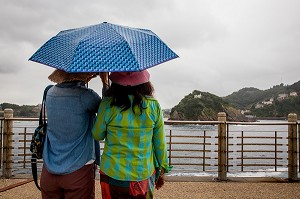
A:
(38, 139)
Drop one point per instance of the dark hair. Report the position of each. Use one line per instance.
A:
(121, 99)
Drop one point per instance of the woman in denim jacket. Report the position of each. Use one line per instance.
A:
(69, 151)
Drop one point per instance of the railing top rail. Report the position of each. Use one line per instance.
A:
(227, 122)
(192, 122)
(170, 122)
(21, 119)
(262, 123)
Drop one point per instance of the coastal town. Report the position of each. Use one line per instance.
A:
(280, 97)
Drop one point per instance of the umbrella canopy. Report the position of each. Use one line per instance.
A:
(104, 47)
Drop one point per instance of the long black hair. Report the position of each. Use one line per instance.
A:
(120, 95)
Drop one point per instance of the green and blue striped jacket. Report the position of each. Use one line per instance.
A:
(132, 141)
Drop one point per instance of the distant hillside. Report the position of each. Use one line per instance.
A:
(294, 87)
(274, 102)
(203, 106)
(278, 101)
(247, 97)
(279, 108)
(22, 111)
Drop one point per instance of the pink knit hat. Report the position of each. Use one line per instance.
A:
(130, 78)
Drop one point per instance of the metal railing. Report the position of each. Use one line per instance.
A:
(203, 147)
(192, 146)
(257, 149)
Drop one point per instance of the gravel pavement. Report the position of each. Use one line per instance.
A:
(179, 190)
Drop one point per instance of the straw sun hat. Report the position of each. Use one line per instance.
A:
(60, 76)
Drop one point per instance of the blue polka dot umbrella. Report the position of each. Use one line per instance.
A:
(104, 47)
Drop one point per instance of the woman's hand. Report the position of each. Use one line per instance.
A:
(161, 180)
(104, 78)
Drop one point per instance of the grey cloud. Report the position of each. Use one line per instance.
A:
(193, 28)
(11, 61)
(223, 45)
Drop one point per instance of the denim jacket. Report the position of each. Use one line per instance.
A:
(71, 108)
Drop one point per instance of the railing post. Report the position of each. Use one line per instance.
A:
(1, 139)
(222, 155)
(292, 147)
(7, 143)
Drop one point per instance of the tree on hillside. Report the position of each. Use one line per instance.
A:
(22, 111)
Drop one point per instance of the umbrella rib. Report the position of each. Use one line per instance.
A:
(126, 44)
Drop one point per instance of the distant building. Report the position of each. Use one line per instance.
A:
(198, 96)
(282, 96)
(268, 102)
(293, 94)
(245, 112)
(259, 105)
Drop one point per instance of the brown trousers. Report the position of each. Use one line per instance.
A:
(79, 184)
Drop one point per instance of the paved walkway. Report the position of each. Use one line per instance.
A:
(182, 187)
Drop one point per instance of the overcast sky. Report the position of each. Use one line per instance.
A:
(223, 45)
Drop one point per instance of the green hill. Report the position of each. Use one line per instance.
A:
(203, 106)
(294, 87)
(22, 111)
(279, 108)
(274, 102)
(247, 97)
(256, 101)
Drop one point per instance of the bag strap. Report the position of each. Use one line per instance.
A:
(34, 170)
(42, 121)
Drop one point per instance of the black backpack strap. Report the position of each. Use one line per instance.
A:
(34, 170)
(42, 120)
(43, 109)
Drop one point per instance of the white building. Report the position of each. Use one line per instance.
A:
(282, 96)
(259, 105)
(198, 96)
(293, 94)
(245, 112)
(268, 102)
